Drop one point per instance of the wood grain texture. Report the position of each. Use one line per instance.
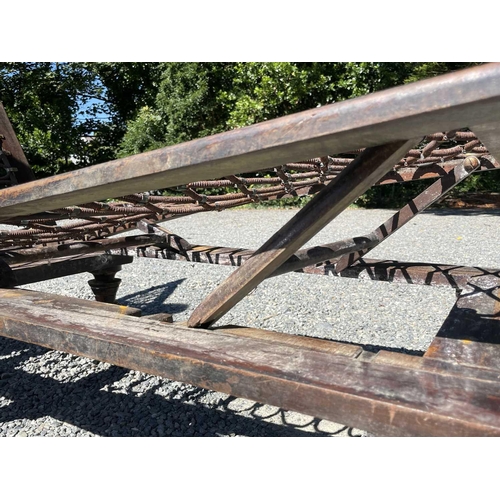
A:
(17, 158)
(466, 353)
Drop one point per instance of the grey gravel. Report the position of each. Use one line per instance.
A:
(48, 393)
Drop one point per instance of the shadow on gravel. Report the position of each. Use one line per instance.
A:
(94, 405)
(463, 211)
(151, 301)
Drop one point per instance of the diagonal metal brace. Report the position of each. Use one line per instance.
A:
(361, 174)
(416, 206)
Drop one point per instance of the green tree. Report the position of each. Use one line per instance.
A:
(186, 106)
(124, 89)
(69, 115)
(197, 99)
(41, 101)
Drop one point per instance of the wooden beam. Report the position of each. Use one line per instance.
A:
(17, 158)
(447, 102)
(68, 304)
(489, 135)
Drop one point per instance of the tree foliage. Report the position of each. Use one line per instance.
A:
(197, 99)
(41, 100)
(186, 106)
(69, 115)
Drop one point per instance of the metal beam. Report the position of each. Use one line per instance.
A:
(322, 253)
(58, 268)
(24, 255)
(395, 399)
(416, 206)
(362, 173)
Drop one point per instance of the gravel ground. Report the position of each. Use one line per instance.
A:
(48, 393)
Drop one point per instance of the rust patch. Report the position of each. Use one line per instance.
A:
(496, 307)
(432, 350)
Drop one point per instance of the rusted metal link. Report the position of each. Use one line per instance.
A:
(79, 248)
(94, 228)
(172, 240)
(96, 220)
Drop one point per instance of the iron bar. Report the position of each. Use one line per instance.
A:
(78, 248)
(322, 253)
(414, 207)
(60, 267)
(370, 165)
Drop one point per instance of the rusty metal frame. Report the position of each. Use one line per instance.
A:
(451, 390)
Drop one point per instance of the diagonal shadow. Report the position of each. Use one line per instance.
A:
(476, 314)
(463, 211)
(151, 300)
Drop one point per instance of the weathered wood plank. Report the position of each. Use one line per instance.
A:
(451, 101)
(17, 158)
(328, 346)
(69, 304)
(465, 352)
(450, 366)
(380, 398)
